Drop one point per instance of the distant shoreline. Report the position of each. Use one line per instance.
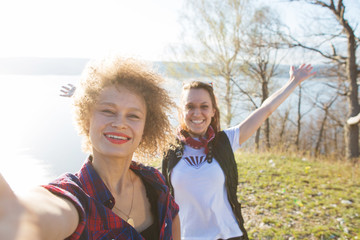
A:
(75, 66)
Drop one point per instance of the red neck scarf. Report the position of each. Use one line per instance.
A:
(185, 137)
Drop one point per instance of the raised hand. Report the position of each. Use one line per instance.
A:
(301, 73)
(67, 91)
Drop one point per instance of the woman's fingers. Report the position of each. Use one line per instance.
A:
(303, 72)
(302, 66)
(67, 91)
(292, 69)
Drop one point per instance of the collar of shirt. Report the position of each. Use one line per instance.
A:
(94, 185)
(97, 189)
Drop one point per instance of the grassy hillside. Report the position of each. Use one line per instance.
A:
(292, 198)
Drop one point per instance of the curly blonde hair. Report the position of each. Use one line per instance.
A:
(135, 76)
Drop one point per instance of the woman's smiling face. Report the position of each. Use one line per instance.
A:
(117, 123)
(197, 111)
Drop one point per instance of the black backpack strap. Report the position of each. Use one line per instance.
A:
(170, 159)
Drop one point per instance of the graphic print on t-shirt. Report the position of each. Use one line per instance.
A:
(195, 161)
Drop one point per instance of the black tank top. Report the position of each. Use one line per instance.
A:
(153, 231)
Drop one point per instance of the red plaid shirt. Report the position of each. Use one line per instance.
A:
(94, 202)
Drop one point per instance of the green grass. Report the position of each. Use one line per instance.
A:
(287, 197)
(292, 198)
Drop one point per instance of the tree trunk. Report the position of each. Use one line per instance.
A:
(297, 141)
(257, 139)
(283, 124)
(267, 134)
(318, 142)
(352, 132)
(228, 114)
(265, 95)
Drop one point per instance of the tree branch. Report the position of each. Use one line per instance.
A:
(244, 92)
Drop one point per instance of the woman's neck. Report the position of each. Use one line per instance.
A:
(194, 135)
(113, 171)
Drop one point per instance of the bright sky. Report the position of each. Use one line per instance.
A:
(88, 28)
(92, 28)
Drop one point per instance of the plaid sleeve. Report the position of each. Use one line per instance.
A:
(68, 191)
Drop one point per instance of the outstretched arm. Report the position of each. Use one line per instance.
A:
(67, 91)
(249, 126)
(39, 215)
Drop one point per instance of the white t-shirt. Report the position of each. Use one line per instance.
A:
(199, 188)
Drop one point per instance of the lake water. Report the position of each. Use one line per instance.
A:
(37, 134)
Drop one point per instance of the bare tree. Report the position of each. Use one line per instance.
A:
(343, 44)
(212, 41)
(284, 118)
(300, 114)
(326, 108)
(260, 61)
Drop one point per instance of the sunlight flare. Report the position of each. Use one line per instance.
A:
(23, 172)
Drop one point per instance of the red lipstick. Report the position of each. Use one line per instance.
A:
(117, 138)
